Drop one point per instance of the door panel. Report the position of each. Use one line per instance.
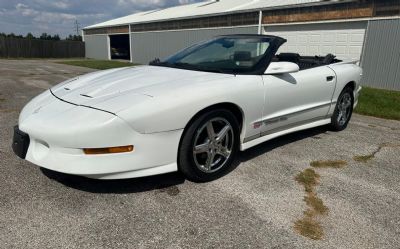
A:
(296, 98)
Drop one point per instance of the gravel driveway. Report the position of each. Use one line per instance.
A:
(256, 206)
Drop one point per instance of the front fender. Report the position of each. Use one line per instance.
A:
(172, 110)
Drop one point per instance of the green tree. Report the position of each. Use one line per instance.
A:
(74, 38)
(29, 36)
(44, 36)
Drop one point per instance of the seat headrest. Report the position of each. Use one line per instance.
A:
(329, 59)
(291, 57)
(242, 56)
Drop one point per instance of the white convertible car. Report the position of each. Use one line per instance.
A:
(191, 112)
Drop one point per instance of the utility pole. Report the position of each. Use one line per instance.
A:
(77, 27)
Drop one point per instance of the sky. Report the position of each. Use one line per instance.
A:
(58, 16)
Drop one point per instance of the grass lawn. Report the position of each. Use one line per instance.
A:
(379, 103)
(97, 64)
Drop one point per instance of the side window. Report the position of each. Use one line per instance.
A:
(256, 49)
(213, 52)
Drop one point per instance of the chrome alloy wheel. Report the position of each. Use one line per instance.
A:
(344, 107)
(213, 145)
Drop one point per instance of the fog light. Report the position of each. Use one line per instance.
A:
(110, 150)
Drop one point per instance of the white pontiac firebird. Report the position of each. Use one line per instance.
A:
(191, 112)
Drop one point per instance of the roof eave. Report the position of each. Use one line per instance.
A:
(225, 13)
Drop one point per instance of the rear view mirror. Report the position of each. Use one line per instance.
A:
(227, 43)
(282, 67)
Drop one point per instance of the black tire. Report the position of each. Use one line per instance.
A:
(337, 123)
(189, 161)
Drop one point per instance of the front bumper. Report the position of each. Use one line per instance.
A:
(55, 135)
(153, 154)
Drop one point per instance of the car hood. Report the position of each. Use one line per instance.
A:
(139, 83)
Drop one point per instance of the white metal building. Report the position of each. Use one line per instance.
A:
(312, 27)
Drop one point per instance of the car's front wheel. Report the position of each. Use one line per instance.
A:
(209, 146)
(343, 111)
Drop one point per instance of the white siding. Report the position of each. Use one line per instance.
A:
(381, 59)
(97, 47)
(147, 46)
(345, 40)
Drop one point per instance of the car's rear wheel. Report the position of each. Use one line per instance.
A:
(343, 111)
(209, 146)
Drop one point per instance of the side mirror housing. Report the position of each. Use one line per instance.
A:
(282, 67)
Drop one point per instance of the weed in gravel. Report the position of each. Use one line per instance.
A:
(337, 164)
(309, 179)
(309, 227)
(363, 159)
(317, 205)
(367, 158)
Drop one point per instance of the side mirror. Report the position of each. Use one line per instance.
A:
(282, 67)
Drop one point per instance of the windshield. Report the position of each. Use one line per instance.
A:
(224, 54)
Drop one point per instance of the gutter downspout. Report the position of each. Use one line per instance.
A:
(109, 48)
(130, 44)
(83, 40)
(260, 22)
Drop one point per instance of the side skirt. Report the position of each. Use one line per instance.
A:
(269, 136)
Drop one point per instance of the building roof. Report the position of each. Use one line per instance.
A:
(207, 8)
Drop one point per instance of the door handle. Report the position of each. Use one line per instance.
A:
(330, 78)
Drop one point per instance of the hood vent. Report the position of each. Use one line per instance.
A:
(87, 96)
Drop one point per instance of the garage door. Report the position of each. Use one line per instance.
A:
(345, 40)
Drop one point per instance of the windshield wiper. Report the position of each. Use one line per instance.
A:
(183, 65)
(217, 70)
(224, 71)
(156, 62)
(202, 68)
